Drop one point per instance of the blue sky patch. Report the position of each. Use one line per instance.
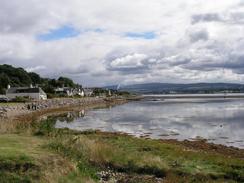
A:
(60, 33)
(142, 35)
(98, 30)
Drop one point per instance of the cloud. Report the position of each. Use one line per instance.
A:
(35, 69)
(110, 42)
(177, 60)
(199, 35)
(233, 15)
(133, 63)
(208, 17)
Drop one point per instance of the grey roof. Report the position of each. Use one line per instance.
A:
(24, 90)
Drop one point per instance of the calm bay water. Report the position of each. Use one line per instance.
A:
(217, 120)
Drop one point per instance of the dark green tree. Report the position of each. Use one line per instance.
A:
(4, 81)
(35, 78)
(63, 81)
(20, 77)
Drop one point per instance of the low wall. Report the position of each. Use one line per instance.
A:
(14, 109)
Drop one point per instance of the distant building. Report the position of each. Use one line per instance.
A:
(88, 92)
(109, 93)
(35, 93)
(78, 91)
(70, 92)
(67, 91)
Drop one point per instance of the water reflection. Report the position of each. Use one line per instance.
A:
(219, 121)
(70, 116)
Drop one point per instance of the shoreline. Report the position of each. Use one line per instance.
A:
(62, 105)
(25, 117)
(106, 156)
(198, 145)
(197, 96)
(15, 110)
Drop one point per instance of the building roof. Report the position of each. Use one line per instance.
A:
(3, 96)
(24, 90)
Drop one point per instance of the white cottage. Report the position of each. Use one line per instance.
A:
(70, 92)
(67, 91)
(88, 92)
(35, 93)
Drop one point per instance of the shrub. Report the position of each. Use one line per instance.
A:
(21, 99)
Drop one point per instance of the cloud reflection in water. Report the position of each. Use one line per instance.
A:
(219, 121)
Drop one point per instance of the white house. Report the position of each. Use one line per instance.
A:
(79, 92)
(88, 92)
(70, 92)
(35, 93)
(64, 91)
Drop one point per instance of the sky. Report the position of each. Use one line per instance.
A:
(107, 42)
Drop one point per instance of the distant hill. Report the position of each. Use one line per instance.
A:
(164, 88)
(13, 76)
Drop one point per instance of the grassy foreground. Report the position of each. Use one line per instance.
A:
(42, 153)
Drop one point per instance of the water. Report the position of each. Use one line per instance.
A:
(219, 121)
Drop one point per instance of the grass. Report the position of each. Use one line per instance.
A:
(16, 162)
(38, 152)
(4, 104)
(140, 156)
(23, 159)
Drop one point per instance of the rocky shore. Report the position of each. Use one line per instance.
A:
(9, 110)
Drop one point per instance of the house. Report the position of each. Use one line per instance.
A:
(70, 92)
(64, 91)
(88, 92)
(79, 92)
(35, 93)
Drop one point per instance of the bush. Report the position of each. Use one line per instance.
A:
(21, 99)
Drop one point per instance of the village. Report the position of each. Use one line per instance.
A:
(23, 92)
(22, 100)
(36, 93)
(112, 91)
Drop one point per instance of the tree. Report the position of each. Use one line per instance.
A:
(35, 78)
(20, 77)
(66, 82)
(4, 81)
(17, 76)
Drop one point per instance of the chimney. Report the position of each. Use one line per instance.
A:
(31, 86)
(9, 87)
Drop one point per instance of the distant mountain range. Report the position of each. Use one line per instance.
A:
(164, 88)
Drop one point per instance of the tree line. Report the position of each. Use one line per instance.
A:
(18, 77)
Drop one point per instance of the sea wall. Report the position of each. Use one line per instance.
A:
(8, 110)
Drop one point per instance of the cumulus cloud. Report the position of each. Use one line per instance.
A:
(199, 35)
(125, 41)
(208, 17)
(129, 63)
